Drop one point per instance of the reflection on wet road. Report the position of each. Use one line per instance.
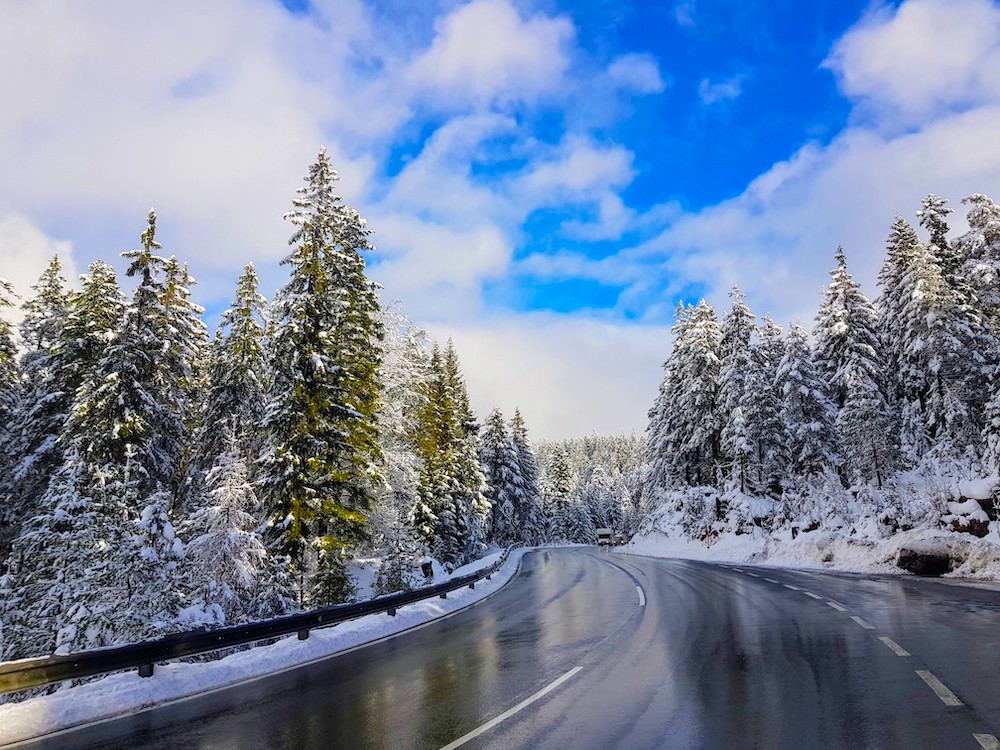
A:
(565, 656)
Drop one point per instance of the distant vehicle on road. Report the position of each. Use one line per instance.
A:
(605, 538)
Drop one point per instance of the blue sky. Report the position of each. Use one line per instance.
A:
(545, 179)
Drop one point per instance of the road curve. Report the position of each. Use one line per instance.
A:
(589, 649)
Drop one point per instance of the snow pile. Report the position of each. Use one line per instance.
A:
(824, 525)
(979, 489)
(127, 692)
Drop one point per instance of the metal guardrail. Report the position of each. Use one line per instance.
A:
(46, 670)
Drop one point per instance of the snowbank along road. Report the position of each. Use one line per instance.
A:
(590, 649)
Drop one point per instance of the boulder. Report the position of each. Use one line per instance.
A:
(924, 560)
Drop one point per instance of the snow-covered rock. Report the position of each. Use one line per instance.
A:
(979, 489)
(931, 557)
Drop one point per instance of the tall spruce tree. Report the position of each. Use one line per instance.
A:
(979, 250)
(43, 405)
(532, 519)
(233, 403)
(505, 485)
(734, 379)
(697, 431)
(846, 335)
(762, 406)
(806, 411)
(661, 457)
(9, 512)
(322, 434)
(558, 497)
(120, 414)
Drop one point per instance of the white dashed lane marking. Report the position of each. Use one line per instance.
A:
(896, 648)
(810, 593)
(753, 574)
(511, 711)
(642, 597)
(770, 580)
(863, 623)
(793, 588)
(987, 741)
(836, 606)
(947, 697)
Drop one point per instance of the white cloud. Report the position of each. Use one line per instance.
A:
(578, 170)
(636, 72)
(485, 52)
(684, 14)
(922, 57)
(713, 92)
(569, 376)
(25, 251)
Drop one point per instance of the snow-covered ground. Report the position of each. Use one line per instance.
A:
(127, 692)
(826, 549)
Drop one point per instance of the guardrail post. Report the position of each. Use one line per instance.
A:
(145, 670)
(391, 611)
(472, 585)
(443, 594)
(304, 634)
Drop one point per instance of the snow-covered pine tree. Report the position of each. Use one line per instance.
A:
(933, 216)
(979, 249)
(43, 403)
(391, 519)
(661, 459)
(505, 485)
(846, 335)
(951, 347)
(558, 494)
(735, 370)
(848, 356)
(905, 376)
(579, 524)
(404, 375)
(322, 454)
(868, 431)
(806, 411)
(227, 559)
(233, 403)
(9, 517)
(761, 406)
(153, 574)
(120, 410)
(698, 423)
(532, 519)
(183, 357)
(53, 549)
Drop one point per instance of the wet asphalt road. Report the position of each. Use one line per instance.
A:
(717, 657)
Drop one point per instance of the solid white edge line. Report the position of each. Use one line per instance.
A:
(987, 741)
(947, 697)
(511, 711)
(863, 623)
(836, 606)
(896, 648)
(642, 597)
(810, 593)
(257, 678)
